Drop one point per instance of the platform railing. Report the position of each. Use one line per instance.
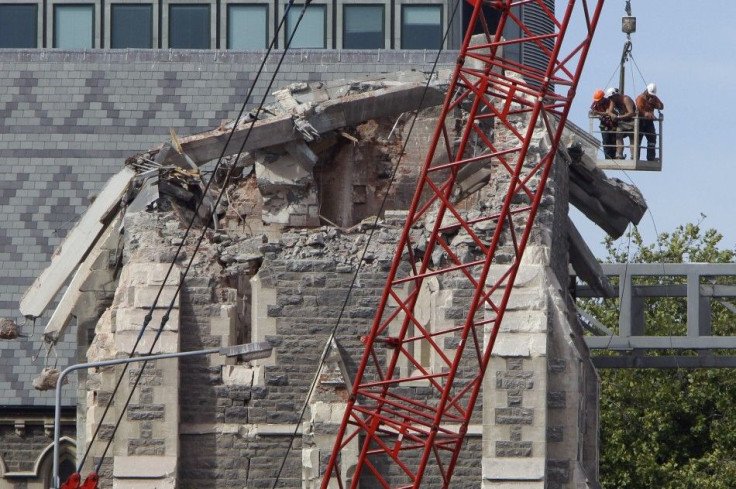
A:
(634, 151)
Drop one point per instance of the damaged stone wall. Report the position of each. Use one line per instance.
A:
(68, 119)
(277, 265)
(286, 286)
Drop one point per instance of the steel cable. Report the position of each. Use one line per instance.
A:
(394, 172)
(149, 315)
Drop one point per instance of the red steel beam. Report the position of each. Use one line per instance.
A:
(404, 436)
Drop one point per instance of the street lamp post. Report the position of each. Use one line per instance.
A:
(248, 351)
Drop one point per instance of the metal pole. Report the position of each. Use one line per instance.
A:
(106, 363)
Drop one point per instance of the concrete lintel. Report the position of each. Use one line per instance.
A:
(209, 428)
(302, 154)
(513, 485)
(267, 429)
(513, 469)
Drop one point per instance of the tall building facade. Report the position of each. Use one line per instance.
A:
(245, 25)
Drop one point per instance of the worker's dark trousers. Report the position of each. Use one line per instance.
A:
(608, 138)
(646, 128)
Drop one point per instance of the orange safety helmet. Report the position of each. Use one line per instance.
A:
(598, 95)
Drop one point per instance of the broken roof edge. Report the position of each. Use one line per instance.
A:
(75, 246)
(608, 202)
(355, 102)
(315, 109)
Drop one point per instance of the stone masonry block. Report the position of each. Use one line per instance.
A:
(515, 379)
(238, 375)
(520, 345)
(513, 449)
(514, 469)
(524, 321)
(149, 274)
(132, 319)
(328, 412)
(225, 327)
(514, 416)
(144, 296)
(523, 299)
(531, 276)
(556, 399)
(168, 342)
(140, 472)
(144, 467)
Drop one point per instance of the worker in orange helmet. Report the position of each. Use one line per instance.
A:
(646, 103)
(600, 108)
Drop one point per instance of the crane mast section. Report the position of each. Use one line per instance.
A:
(407, 434)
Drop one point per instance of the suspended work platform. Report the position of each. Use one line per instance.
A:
(640, 160)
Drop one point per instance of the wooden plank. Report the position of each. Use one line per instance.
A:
(75, 246)
(63, 313)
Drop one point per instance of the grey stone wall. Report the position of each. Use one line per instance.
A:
(310, 294)
(25, 450)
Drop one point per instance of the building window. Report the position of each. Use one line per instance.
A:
(312, 30)
(363, 27)
(512, 31)
(189, 26)
(131, 26)
(421, 26)
(247, 26)
(18, 26)
(74, 26)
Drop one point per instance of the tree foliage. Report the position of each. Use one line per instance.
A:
(674, 428)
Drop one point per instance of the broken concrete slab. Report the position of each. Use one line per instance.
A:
(63, 313)
(608, 202)
(327, 116)
(75, 246)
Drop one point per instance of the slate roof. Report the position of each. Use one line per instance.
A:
(68, 119)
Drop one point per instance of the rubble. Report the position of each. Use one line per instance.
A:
(47, 379)
(8, 329)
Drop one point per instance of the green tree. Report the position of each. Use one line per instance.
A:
(672, 428)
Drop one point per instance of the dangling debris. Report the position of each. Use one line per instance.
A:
(8, 329)
(47, 380)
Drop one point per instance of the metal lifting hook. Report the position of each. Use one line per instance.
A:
(628, 26)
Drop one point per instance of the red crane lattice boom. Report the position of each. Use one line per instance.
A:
(406, 434)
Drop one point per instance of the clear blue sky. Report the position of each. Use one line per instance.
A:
(689, 50)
